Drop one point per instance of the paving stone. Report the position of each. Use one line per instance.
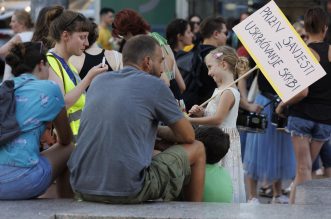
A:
(70, 209)
(314, 192)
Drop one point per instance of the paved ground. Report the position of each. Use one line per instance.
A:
(69, 209)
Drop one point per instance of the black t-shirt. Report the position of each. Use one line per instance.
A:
(317, 105)
(264, 85)
(208, 84)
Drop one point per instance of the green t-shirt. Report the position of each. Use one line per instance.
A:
(218, 185)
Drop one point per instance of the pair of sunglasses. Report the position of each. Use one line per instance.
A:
(78, 16)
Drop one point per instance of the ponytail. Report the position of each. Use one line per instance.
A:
(238, 65)
(241, 67)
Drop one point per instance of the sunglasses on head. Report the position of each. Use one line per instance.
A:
(78, 16)
(41, 46)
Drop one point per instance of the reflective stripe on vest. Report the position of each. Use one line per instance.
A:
(75, 110)
(75, 116)
(74, 119)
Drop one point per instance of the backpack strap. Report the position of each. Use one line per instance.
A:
(197, 62)
(23, 83)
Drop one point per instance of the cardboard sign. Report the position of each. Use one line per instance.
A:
(278, 50)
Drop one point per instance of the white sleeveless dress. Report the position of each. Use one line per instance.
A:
(232, 161)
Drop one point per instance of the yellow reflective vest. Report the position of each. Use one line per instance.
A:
(75, 111)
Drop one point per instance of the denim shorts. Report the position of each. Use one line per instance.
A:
(307, 128)
(25, 183)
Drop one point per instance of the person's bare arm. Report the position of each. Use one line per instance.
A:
(4, 50)
(178, 77)
(242, 86)
(71, 97)
(297, 98)
(114, 62)
(180, 132)
(300, 96)
(62, 128)
(77, 62)
(225, 104)
(251, 107)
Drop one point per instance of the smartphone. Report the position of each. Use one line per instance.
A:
(103, 62)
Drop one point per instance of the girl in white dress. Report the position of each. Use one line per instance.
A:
(224, 65)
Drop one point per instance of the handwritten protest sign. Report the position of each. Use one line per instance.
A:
(279, 52)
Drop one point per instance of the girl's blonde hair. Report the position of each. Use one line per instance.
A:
(238, 65)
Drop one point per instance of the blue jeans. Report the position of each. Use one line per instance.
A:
(307, 128)
(25, 183)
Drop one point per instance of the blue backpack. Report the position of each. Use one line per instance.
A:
(9, 127)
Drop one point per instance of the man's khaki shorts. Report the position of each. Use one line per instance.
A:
(164, 179)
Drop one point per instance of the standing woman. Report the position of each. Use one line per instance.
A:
(70, 31)
(44, 20)
(179, 35)
(128, 23)
(195, 21)
(25, 172)
(22, 25)
(310, 120)
(269, 156)
(93, 55)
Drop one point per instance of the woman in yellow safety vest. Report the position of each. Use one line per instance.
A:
(70, 31)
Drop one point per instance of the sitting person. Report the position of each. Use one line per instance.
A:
(113, 160)
(218, 183)
(25, 172)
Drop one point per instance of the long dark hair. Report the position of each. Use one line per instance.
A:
(177, 26)
(45, 17)
(316, 20)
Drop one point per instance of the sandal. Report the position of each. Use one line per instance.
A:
(266, 192)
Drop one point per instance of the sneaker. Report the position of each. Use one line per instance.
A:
(287, 191)
(253, 201)
(282, 199)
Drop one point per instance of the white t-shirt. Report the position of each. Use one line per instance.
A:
(25, 37)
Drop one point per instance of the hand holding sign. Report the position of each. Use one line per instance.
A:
(279, 51)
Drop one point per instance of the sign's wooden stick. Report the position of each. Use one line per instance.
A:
(241, 77)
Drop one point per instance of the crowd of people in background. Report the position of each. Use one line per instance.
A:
(130, 118)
